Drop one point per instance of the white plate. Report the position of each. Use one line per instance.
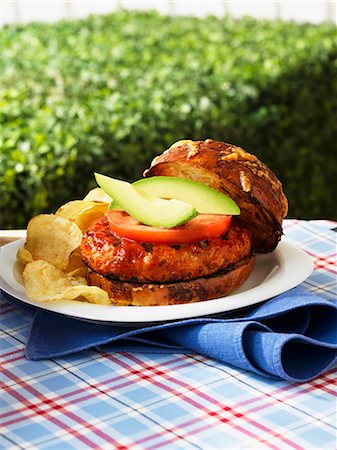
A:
(274, 273)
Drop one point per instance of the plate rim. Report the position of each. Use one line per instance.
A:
(270, 288)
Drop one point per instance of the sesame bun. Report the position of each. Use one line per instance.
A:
(237, 173)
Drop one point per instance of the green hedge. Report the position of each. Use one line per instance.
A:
(109, 92)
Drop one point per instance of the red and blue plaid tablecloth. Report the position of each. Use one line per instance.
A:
(149, 401)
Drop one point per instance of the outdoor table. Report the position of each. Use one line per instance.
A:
(95, 399)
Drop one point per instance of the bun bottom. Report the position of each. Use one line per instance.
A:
(218, 285)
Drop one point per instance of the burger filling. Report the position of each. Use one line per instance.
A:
(121, 258)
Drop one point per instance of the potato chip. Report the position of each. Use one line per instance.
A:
(92, 294)
(24, 256)
(45, 282)
(83, 213)
(79, 272)
(75, 262)
(53, 239)
(98, 195)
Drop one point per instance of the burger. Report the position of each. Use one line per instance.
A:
(207, 257)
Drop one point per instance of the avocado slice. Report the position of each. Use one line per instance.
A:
(144, 207)
(203, 198)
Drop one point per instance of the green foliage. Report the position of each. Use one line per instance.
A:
(108, 93)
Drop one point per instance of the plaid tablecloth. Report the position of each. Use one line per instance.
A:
(150, 401)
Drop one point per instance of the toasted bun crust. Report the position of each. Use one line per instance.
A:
(240, 175)
(137, 294)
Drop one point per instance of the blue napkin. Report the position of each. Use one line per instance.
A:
(292, 336)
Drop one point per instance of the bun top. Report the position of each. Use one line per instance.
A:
(237, 173)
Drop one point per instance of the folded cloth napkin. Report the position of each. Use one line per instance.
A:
(292, 336)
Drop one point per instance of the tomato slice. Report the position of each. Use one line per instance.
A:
(204, 226)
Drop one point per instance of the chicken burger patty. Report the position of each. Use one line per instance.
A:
(126, 260)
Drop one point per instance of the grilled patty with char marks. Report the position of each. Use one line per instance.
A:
(127, 260)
